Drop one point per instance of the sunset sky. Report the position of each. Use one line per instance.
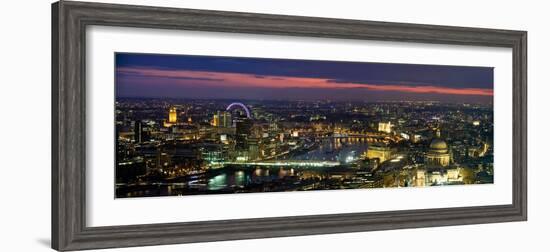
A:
(185, 76)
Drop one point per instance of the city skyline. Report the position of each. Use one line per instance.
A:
(196, 125)
(186, 76)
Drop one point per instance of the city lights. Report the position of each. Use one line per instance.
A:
(224, 149)
(195, 125)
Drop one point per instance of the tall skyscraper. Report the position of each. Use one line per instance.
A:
(253, 148)
(225, 119)
(242, 131)
(140, 132)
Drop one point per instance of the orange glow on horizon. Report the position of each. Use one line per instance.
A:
(220, 79)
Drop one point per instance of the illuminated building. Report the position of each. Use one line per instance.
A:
(438, 154)
(253, 149)
(222, 119)
(225, 119)
(186, 132)
(212, 154)
(273, 127)
(438, 176)
(223, 138)
(385, 127)
(453, 174)
(380, 152)
(420, 177)
(416, 138)
(480, 151)
(216, 120)
(484, 149)
(172, 117)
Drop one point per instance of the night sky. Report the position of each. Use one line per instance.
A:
(206, 77)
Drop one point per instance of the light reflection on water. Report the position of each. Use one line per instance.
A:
(218, 182)
(236, 178)
(243, 178)
(335, 149)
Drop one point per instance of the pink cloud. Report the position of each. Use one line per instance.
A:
(219, 79)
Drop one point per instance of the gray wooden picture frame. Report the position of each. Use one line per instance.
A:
(69, 22)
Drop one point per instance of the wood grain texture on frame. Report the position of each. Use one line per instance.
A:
(69, 21)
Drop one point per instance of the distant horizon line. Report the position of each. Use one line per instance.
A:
(294, 100)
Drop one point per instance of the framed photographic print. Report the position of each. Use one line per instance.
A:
(177, 125)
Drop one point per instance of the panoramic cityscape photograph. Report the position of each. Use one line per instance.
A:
(197, 125)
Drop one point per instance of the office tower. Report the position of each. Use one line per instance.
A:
(226, 119)
(242, 132)
(140, 132)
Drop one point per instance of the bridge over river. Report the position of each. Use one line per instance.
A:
(287, 163)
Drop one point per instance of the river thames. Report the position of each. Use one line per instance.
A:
(250, 178)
